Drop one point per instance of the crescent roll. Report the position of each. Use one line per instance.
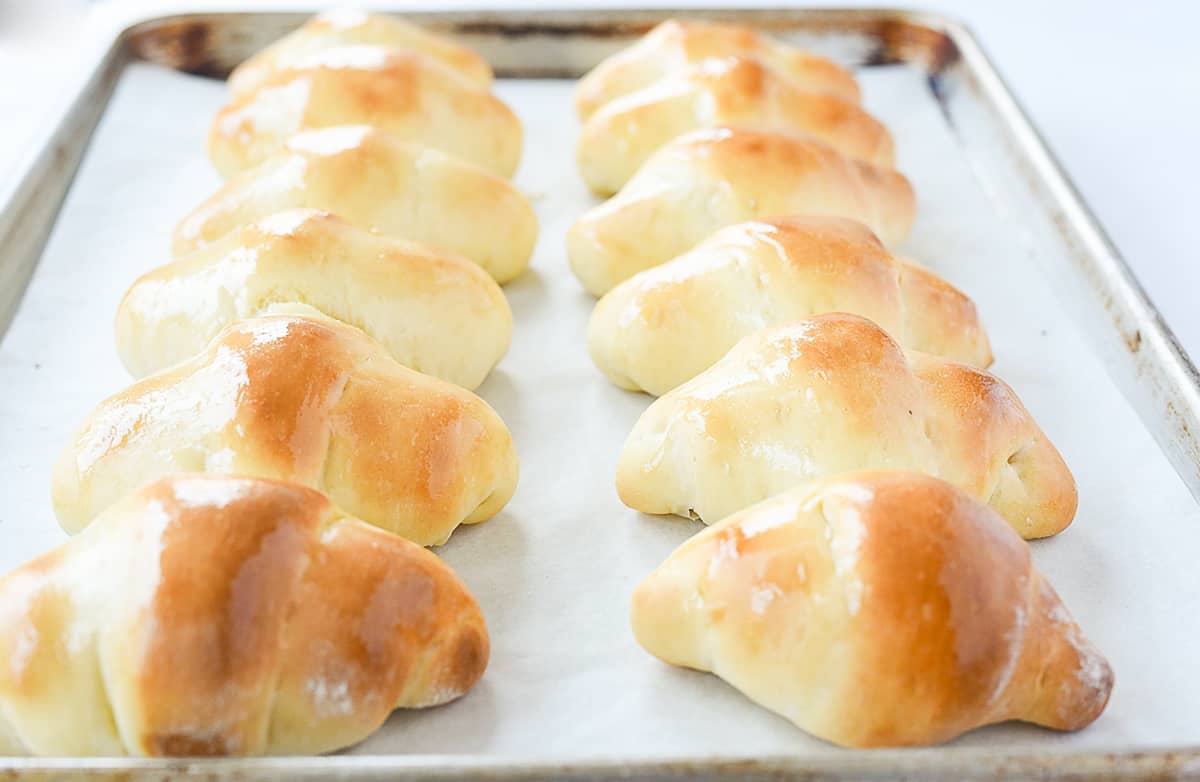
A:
(668, 324)
(434, 311)
(835, 393)
(307, 400)
(217, 615)
(345, 27)
(874, 609)
(413, 96)
(673, 44)
(376, 181)
(712, 178)
(622, 134)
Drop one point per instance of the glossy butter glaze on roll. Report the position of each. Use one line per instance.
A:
(307, 400)
(731, 91)
(668, 324)
(377, 182)
(214, 615)
(708, 179)
(674, 44)
(434, 311)
(831, 394)
(405, 93)
(875, 609)
(346, 27)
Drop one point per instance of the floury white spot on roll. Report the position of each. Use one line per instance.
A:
(708, 179)
(302, 399)
(675, 43)
(831, 394)
(874, 609)
(405, 93)
(666, 325)
(434, 311)
(218, 615)
(376, 181)
(343, 27)
(730, 91)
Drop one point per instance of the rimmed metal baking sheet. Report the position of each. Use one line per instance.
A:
(568, 694)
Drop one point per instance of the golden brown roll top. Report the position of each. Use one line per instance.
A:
(347, 27)
(405, 93)
(874, 609)
(708, 179)
(376, 181)
(215, 615)
(731, 91)
(434, 311)
(674, 44)
(308, 400)
(666, 325)
(830, 394)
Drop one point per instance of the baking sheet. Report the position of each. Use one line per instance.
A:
(554, 570)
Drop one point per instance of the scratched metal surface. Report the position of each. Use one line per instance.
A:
(1100, 335)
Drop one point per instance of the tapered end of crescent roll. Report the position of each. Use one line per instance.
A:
(434, 311)
(308, 400)
(866, 583)
(834, 393)
(403, 92)
(673, 44)
(706, 180)
(376, 181)
(345, 27)
(737, 90)
(220, 615)
(666, 325)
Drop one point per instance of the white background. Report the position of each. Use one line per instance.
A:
(1114, 85)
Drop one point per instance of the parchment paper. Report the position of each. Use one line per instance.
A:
(554, 570)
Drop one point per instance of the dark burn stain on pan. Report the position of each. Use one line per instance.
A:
(900, 42)
(183, 46)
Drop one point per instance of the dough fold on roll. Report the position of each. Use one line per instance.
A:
(708, 179)
(378, 182)
(405, 93)
(731, 91)
(668, 324)
(346, 27)
(874, 609)
(434, 311)
(307, 400)
(830, 394)
(218, 615)
(674, 44)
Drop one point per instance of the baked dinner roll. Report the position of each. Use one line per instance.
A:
(308, 400)
(712, 178)
(740, 91)
(874, 609)
(674, 44)
(668, 324)
(405, 93)
(214, 615)
(434, 311)
(345, 27)
(379, 182)
(835, 393)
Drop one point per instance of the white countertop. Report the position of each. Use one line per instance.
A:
(1111, 85)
